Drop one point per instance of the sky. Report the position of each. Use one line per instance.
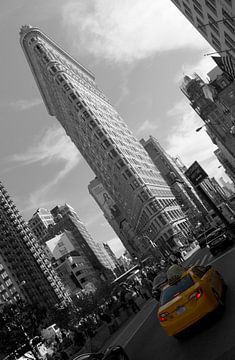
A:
(139, 52)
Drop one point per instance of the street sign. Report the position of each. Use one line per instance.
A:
(195, 173)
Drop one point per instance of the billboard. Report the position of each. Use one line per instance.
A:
(105, 201)
(195, 173)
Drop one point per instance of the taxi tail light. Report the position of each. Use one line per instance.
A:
(163, 317)
(196, 295)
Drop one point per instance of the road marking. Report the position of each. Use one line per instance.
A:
(203, 260)
(197, 262)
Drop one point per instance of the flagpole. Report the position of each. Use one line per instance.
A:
(219, 52)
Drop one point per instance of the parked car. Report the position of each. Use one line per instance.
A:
(158, 282)
(112, 353)
(218, 240)
(201, 238)
(189, 296)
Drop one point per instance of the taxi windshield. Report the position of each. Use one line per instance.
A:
(172, 291)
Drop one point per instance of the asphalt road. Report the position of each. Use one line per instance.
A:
(211, 339)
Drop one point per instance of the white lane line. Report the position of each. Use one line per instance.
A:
(203, 260)
(197, 262)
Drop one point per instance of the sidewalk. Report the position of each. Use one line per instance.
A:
(191, 252)
(103, 338)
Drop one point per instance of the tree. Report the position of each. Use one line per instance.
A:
(19, 322)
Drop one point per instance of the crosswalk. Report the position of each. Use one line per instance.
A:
(201, 261)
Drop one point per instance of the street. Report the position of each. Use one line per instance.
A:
(213, 338)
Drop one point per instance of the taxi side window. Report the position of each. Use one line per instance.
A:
(199, 270)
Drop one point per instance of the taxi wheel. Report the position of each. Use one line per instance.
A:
(218, 298)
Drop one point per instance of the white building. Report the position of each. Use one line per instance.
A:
(74, 269)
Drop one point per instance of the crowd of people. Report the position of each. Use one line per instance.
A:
(125, 299)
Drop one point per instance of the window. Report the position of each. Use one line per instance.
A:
(53, 69)
(106, 143)
(229, 41)
(229, 26)
(211, 7)
(135, 184)
(73, 96)
(201, 26)
(215, 41)
(99, 133)
(78, 273)
(59, 78)
(66, 87)
(162, 220)
(39, 48)
(213, 24)
(78, 106)
(46, 59)
(128, 173)
(174, 290)
(121, 163)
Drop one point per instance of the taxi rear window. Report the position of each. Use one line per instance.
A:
(172, 291)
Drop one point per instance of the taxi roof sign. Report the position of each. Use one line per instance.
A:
(174, 273)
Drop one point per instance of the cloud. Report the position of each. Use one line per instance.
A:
(124, 31)
(25, 104)
(52, 146)
(201, 67)
(145, 128)
(190, 145)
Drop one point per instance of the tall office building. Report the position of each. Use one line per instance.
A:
(214, 19)
(229, 166)
(69, 261)
(24, 267)
(39, 223)
(136, 245)
(65, 219)
(109, 147)
(186, 196)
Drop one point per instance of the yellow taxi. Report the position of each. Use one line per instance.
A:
(189, 295)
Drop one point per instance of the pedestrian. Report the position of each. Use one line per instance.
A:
(173, 259)
(129, 296)
(147, 287)
(178, 255)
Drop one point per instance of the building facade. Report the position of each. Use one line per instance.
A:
(74, 269)
(39, 223)
(215, 104)
(65, 219)
(25, 270)
(186, 196)
(214, 19)
(134, 243)
(117, 158)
